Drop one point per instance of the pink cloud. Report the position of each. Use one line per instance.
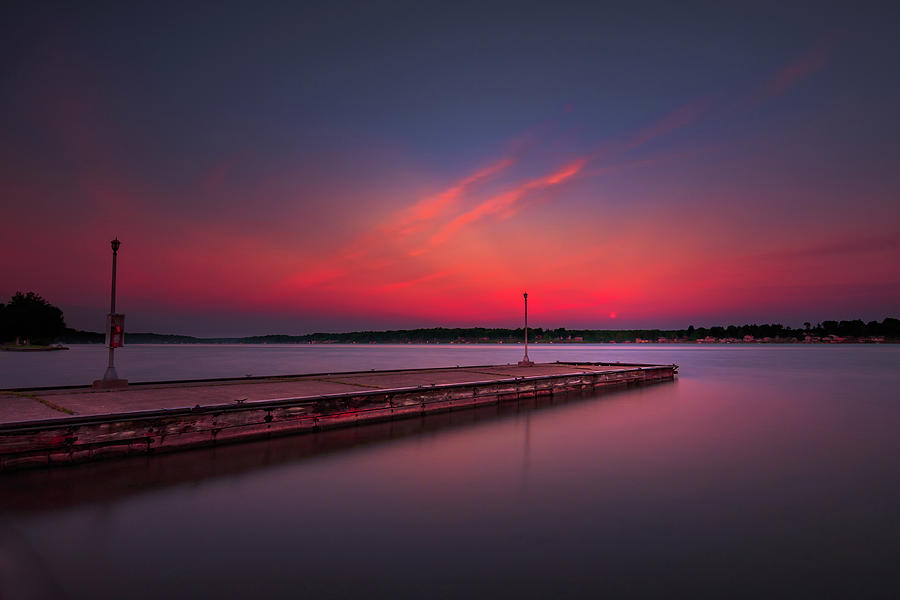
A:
(680, 117)
(504, 203)
(386, 238)
(813, 59)
(431, 207)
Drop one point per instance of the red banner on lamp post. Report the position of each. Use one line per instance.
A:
(115, 330)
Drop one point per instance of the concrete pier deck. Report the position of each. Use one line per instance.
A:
(48, 426)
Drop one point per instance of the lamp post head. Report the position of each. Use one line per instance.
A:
(525, 295)
(115, 244)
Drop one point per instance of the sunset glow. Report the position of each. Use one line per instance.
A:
(677, 186)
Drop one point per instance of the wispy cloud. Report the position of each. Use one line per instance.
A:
(505, 202)
(679, 117)
(401, 241)
(851, 246)
(384, 243)
(432, 207)
(801, 67)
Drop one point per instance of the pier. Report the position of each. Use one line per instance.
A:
(53, 426)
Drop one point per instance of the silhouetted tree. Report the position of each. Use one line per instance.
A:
(30, 316)
(891, 327)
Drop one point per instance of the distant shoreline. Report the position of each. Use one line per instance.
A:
(827, 332)
(566, 343)
(33, 348)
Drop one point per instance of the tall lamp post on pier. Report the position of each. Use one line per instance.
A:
(525, 362)
(115, 331)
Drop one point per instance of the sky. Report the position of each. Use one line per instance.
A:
(301, 167)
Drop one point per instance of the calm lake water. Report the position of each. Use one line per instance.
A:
(762, 471)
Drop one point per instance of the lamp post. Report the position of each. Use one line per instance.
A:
(115, 330)
(525, 362)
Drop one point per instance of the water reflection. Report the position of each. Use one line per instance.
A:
(758, 473)
(108, 480)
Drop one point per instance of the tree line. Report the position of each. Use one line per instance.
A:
(29, 316)
(889, 328)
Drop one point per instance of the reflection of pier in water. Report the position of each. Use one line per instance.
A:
(74, 485)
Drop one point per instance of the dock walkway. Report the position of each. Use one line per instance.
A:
(46, 426)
